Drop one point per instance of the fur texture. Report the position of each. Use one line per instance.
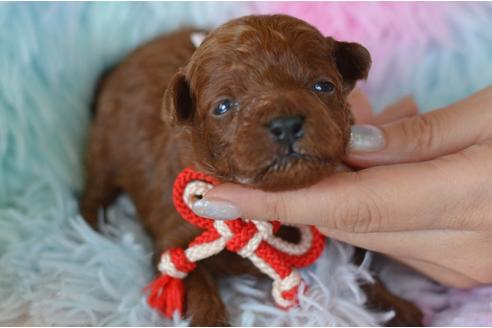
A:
(50, 58)
(155, 114)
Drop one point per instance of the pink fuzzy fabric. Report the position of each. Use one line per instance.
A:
(386, 29)
(398, 34)
(442, 306)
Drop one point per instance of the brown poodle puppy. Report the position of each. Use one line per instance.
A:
(262, 102)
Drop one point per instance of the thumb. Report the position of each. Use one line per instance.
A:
(423, 137)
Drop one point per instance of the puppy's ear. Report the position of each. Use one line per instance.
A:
(177, 104)
(353, 62)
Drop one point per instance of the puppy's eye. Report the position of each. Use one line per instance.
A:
(223, 107)
(323, 86)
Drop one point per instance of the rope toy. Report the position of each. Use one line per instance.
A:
(251, 239)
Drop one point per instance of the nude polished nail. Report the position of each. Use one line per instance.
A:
(216, 209)
(366, 138)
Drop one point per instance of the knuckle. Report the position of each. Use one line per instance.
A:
(358, 214)
(277, 208)
(420, 132)
(366, 217)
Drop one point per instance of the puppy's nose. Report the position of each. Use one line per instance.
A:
(287, 129)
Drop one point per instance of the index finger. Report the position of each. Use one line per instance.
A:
(380, 199)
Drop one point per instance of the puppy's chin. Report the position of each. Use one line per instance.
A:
(290, 175)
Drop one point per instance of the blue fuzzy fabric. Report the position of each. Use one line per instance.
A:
(54, 270)
(51, 55)
(447, 70)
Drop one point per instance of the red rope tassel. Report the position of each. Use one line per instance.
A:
(251, 239)
(166, 294)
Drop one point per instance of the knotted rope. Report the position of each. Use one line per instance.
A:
(251, 239)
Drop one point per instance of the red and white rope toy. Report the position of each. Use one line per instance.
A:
(251, 239)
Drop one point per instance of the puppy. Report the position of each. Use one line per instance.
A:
(261, 102)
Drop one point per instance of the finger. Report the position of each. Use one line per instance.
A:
(405, 107)
(440, 274)
(444, 250)
(424, 137)
(411, 244)
(360, 107)
(394, 198)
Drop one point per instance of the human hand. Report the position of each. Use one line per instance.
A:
(363, 112)
(423, 195)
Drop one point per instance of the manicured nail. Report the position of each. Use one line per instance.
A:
(216, 209)
(366, 138)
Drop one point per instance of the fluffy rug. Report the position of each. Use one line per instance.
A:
(54, 270)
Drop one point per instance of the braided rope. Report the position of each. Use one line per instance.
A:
(251, 239)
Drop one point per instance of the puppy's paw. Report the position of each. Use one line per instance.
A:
(381, 299)
(406, 314)
(210, 314)
(203, 303)
(90, 216)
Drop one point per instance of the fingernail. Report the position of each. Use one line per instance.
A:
(216, 209)
(366, 138)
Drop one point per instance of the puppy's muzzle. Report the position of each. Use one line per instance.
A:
(287, 130)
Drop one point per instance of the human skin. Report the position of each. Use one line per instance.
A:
(422, 194)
